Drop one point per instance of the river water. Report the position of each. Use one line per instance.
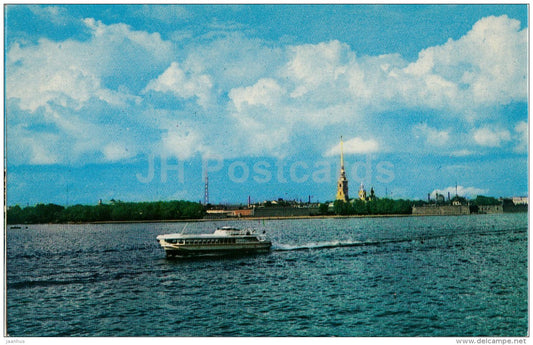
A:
(407, 276)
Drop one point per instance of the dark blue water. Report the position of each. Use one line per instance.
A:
(413, 276)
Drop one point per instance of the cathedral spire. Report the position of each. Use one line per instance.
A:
(342, 184)
(342, 156)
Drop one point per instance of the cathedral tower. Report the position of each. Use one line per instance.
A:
(342, 184)
(362, 192)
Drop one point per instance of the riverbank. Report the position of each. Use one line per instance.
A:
(228, 219)
(187, 211)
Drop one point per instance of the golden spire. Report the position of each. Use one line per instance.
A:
(342, 184)
(342, 156)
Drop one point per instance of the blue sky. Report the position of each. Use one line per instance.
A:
(136, 102)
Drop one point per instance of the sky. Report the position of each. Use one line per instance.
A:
(140, 102)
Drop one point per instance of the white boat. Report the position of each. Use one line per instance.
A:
(225, 240)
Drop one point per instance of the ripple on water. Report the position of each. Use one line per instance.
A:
(430, 276)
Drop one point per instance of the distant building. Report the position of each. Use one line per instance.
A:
(362, 192)
(342, 184)
(242, 213)
(213, 214)
(440, 210)
(489, 209)
(520, 200)
(372, 194)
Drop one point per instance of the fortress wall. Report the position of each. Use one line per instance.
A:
(489, 209)
(285, 211)
(444, 210)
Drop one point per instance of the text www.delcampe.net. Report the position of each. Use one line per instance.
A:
(499, 341)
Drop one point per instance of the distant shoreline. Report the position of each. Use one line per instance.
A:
(228, 219)
(180, 211)
(241, 219)
(281, 218)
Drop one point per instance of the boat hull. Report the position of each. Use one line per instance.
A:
(187, 251)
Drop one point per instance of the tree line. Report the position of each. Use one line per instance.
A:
(482, 200)
(370, 207)
(390, 206)
(174, 210)
(117, 211)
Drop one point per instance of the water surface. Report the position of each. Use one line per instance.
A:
(409, 276)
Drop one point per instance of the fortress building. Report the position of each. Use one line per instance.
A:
(362, 192)
(342, 184)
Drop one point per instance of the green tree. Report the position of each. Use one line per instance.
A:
(402, 207)
(485, 200)
(121, 211)
(102, 213)
(385, 206)
(46, 213)
(342, 208)
(15, 215)
(323, 208)
(359, 207)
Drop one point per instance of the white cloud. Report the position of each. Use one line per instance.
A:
(462, 153)
(117, 151)
(521, 130)
(314, 65)
(183, 84)
(354, 146)
(263, 141)
(32, 148)
(182, 144)
(432, 135)
(84, 90)
(55, 14)
(258, 97)
(461, 191)
(487, 66)
(70, 72)
(491, 137)
(167, 14)
(233, 60)
(265, 92)
(498, 49)
(319, 79)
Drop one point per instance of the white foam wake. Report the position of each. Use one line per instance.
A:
(317, 245)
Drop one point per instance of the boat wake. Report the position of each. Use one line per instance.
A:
(338, 244)
(317, 245)
(414, 239)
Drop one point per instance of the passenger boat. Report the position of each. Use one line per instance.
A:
(225, 240)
